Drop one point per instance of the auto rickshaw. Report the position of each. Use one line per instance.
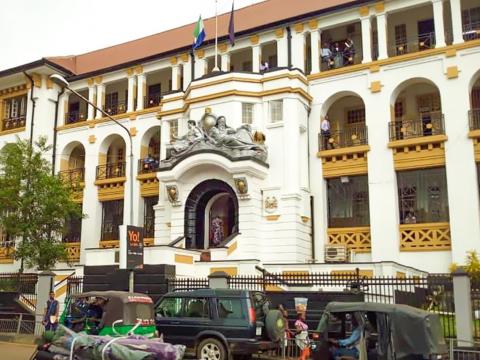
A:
(113, 313)
(387, 331)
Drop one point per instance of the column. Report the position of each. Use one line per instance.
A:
(438, 20)
(382, 36)
(315, 44)
(63, 107)
(366, 39)
(141, 87)
(164, 138)
(456, 10)
(175, 74)
(298, 49)
(256, 58)
(131, 93)
(225, 66)
(463, 308)
(91, 98)
(100, 99)
(45, 284)
(187, 73)
(282, 48)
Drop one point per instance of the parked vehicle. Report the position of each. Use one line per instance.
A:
(113, 313)
(217, 323)
(388, 331)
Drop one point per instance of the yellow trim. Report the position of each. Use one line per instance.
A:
(364, 11)
(347, 161)
(148, 184)
(295, 272)
(111, 189)
(254, 39)
(375, 68)
(304, 219)
(109, 244)
(130, 72)
(279, 33)
(148, 242)
(183, 259)
(417, 141)
(361, 273)
(222, 47)
(200, 53)
(298, 27)
(425, 237)
(110, 181)
(133, 131)
(400, 275)
(184, 57)
(232, 248)
(375, 86)
(91, 82)
(451, 53)
(138, 69)
(313, 24)
(173, 60)
(13, 91)
(37, 79)
(12, 131)
(452, 72)
(231, 271)
(92, 139)
(379, 7)
(356, 239)
(98, 80)
(272, 217)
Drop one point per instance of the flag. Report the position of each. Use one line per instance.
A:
(198, 34)
(231, 27)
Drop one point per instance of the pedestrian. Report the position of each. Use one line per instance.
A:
(301, 337)
(50, 318)
(325, 132)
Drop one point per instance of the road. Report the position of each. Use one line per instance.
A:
(13, 351)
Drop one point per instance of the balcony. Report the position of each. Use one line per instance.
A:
(356, 239)
(425, 237)
(474, 119)
(73, 117)
(110, 231)
(73, 251)
(351, 135)
(116, 108)
(152, 100)
(111, 171)
(148, 166)
(73, 176)
(471, 31)
(429, 124)
(13, 123)
(412, 44)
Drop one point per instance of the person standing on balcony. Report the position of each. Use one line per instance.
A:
(325, 132)
(264, 66)
(50, 319)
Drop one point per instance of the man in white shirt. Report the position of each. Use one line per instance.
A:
(325, 131)
(326, 54)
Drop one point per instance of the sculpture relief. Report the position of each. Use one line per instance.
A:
(271, 204)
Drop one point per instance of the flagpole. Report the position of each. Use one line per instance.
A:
(216, 37)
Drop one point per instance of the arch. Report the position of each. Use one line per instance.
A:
(112, 150)
(403, 85)
(335, 97)
(202, 198)
(474, 93)
(72, 156)
(150, 143)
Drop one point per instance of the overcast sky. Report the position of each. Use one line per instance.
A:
(32, 29)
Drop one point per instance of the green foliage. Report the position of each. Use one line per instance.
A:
(8, 284)
(34, 205)
(472, 265)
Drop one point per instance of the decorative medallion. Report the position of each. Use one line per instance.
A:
(271, 204)
(172, 192)
(242, 187)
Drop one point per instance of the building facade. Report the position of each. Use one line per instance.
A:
(369, 113)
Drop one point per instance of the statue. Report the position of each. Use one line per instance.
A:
(216, 227)
(184, 143)
(223, 135)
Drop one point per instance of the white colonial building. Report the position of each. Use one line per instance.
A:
(391, 186)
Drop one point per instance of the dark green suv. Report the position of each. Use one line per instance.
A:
(219, 323)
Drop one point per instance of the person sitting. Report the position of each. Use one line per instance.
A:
(347, 347)
(96, 315)
(326, 55)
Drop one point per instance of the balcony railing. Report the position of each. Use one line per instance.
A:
(425, 237)
(73, 251)
(356, 238)
(351, 135)
(74, 233)
(13, 122)
(73, 117)
(474, 116)
(149, 227)
(471, 31)
(152, 100)
(428, 124)
(408, 45)
(340, 59)
(111, 171)
(147, 166)
(110, 230)
(119, 107)
(73, 175)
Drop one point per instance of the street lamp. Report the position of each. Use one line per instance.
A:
(63, 83)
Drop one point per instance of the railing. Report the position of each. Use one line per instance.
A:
(471, 31)
(474, 119)
(119, 107)
(149, 226)
(148, 166)
(73, 251)
(431, 123)
(351, 135)
(356, 239)
(425, 237)
(409, 45)
(152, 100)
(72, 117)
(340, 59)
(73, 175)
(110, 171)
(16, 323)
(74, 285)
(7, 249)
(13, 123)
(110, 230)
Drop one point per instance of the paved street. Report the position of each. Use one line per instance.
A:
(13, 351)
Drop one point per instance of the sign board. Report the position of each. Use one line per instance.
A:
(134, 247)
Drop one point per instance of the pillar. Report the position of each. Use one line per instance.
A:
(256, 58)
(164, 138)
(175, 73)
(63, 107)
(225, 63)
(463, 308)
(45, 284)
(200, 66)
(439, 25)
(187, 73)
(456, 10)
(218, 280)
(366, 39)
(315, 45)
(91, 98)
(282, 48)
(298, 49)
(141, 87)
(100, 99)
(382, 36)
(131, 94)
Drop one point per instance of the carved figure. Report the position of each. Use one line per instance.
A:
(186, 142)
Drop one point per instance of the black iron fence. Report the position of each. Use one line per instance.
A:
(351, 135)
(474, 119)
(73, 117)
(13, 122)
(110, 171)
(428, 124)
(148, 165)
(116, 108)
(152, 100)
(411, 44)
(471, 31)
(74, 285)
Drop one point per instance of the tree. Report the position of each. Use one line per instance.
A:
(471, 267)
(34, 204)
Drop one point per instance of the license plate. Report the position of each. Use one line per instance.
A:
(259, 331)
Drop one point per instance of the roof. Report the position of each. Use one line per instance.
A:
(122, 295)
(247, 19)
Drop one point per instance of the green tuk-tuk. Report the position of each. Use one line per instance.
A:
(113, 313)
(387, 331)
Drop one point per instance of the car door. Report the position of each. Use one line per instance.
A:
(232, 318)
(196, 318)
(169, 313)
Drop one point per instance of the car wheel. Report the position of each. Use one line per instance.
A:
(211, 349)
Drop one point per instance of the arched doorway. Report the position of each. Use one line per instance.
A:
(211, 215)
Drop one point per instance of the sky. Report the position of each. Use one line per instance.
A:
(32, 29)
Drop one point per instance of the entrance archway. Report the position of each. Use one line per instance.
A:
(211, 215)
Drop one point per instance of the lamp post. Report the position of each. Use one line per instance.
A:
(63, 83)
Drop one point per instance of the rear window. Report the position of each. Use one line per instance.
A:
(170, 307)
(231, 309)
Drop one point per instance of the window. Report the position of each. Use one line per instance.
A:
(422, 196)
(149, 216)
(476, 98)
(231, 309)
(348, 202)
(173, 129)
(197, 308)
(399, 110)
(471, 19)
(14, 107)
(356, 116)
(247, 113)
(276, 111)
(170, 307)
(112, 218)
(73, 229)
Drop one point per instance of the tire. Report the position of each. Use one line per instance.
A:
(211, 349)
(275, 325)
